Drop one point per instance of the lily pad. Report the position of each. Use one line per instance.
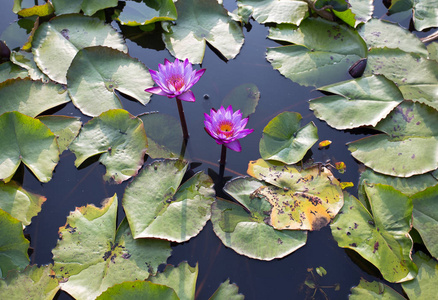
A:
(425, 14)
(92, 256)
(31, 97)
(156, 206)
(425, 216)
(374, 290)
(42, 10)
(432, 49)
(408, 146)
(243, 228)
(9, 70)
(244, 97)
(200, 22)
(359, 11)
(381, 235)
(65, 129)
(400, 6)
(283, 139)
(25, 139)
(97, 72)
(120, 140)
(301, 199)
(276, 11)
(89, 7)
(13, 245)
(227, 291)
(322, 53)
(33, 283)
(359, 102)
(57, 42)
(423, 286)
(25, 60)
(181, 279)
(21, 204)
(17, 33)
(138, 289)
(147, 12)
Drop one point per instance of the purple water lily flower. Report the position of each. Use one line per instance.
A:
(175, 80)
(226, 127)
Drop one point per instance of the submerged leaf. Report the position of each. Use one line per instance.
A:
(120, 140)
(301, 199)
(147, 12)
(228, 291)
(244, 97)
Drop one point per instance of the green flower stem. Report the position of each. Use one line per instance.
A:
(222, 161)
(183, 119)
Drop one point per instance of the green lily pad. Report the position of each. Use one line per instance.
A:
(57, 42)
(374, 290)
(120, 140)
(25, 60)
(65, 129)
(384, 34)
(322, 53)
(147, 12)
(283, 139)
(244, 97)
(409, 145)
(423, 286)
(89, 7)
(381, 235)
(33, 283)
(415, 75)
(42, 10)
(181, 279)
(276, 11)
(200, 22)
(13, 244)
(425, 215)
(359, 11)
(138, 290)
(25, 139)
(359, 102)
(17, 33)
(425, 14)
(400, 6)
(21, 204)
(92, 256)
(9, 70)
(301, 199)
(432, 49)
(156, 206)
(97, 72)
(243, 228)
(227, 291)
(164, 135)
(31, 97)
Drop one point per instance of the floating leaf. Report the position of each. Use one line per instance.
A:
(244, 230)
(432, 49)
(346, 185)
(57, 42)
(381, 235)
(283, 139)
(321, 271)
(181, 279)
(158, 207)
(244, 97)
(374, 290)
(341, 167)
(359, 102)
(425, 216)
(27, 140)
(42, 10)
(425, 14)
(97, 72)
(138, 290)
(89, 7)
(147, 12)
(400, 6)
(31, 97)
(409, 145)
(322, 51)
(13, 245)
(25, 60)
(9, 70)
(276, 11)
(164, 135)
(227, 291)
(423, 286)
(199, 22)
(359, 11)
(92, 256)
(120, 140)
(65, 129)
(305, 200)
(324, 144)
(21, 204)
(416, 76)
(17, 33)
(384, 34)
(33, 283)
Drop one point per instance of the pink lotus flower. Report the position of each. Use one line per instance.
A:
(226, 127)
(175, 80)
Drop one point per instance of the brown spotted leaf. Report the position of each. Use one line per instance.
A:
(301, 199)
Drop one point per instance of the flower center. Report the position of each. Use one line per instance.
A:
(177, 81)
(226, 128)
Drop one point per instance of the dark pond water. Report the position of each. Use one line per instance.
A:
(277, 279)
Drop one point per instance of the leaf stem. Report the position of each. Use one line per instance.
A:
(182, 119)
(222, 161)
